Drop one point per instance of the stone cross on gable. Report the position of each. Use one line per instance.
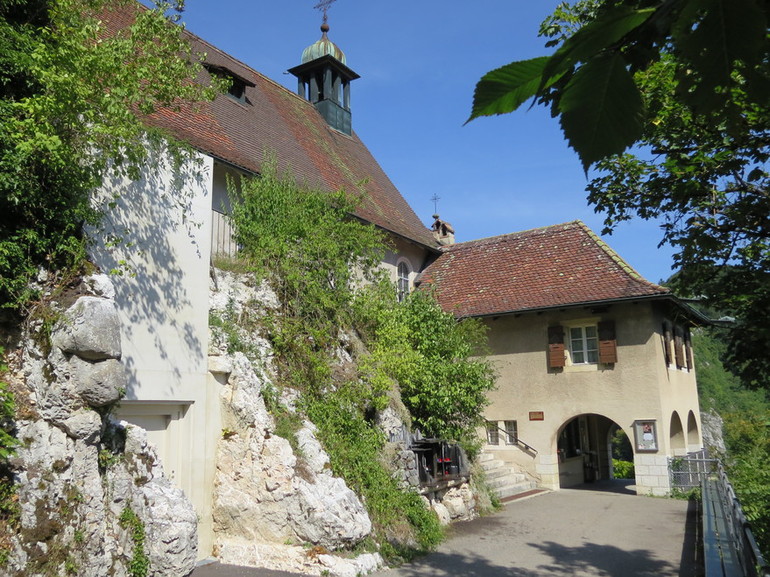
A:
(324, 5)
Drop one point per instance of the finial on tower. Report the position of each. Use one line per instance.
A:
(324, 6)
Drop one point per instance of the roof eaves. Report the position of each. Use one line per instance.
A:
(661, 296)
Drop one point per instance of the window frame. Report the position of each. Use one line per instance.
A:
(403, 282)
(585, 350)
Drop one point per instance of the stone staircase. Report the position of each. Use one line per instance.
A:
(503, 478)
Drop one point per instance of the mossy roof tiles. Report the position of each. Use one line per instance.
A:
(551, 267)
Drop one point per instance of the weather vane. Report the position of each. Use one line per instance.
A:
(324, 5)
(435, 198)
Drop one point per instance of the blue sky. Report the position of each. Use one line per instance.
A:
(419, 62)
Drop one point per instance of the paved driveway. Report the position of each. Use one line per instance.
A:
(597, 530)
(600, 530)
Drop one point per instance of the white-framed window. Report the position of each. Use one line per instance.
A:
(511, 432)
(493, 433)
(584, 345)
(403, 281)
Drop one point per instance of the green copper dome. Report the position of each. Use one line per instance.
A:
(323, 47)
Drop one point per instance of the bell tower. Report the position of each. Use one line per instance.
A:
(324, 78)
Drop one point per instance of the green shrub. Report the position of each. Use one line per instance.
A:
(623, 469)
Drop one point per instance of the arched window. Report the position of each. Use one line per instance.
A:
(403, 281)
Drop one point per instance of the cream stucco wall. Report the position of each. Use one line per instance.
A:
(639, 386)
(160, 271)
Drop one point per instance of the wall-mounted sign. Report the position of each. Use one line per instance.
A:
(646, 436)
(536, 416)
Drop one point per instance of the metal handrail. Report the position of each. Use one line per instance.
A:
(742, 539)
(517, 441)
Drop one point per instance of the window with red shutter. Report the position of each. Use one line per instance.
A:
(667, 342)
(556, 356)
(679, 347)
(608, 349)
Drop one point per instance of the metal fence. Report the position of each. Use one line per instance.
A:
(688, 472)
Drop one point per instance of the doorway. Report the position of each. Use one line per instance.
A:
(584, 453)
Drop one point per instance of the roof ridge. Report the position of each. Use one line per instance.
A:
(616, 258)
(487, 239)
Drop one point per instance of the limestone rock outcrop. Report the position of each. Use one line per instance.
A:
(85, 483)
(274, 506)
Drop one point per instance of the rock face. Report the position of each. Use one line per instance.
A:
(712, 427)
(271, 501)
(86, 484)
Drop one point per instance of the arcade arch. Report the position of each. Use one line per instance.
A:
(677, 440)
(584, 449)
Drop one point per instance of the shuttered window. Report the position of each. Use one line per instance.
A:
(688, 350)
(584, 345)
(679, 347)
(667, 336)
(608, 349)
(556, 356)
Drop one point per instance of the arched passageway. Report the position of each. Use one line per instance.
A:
(677, 439)
(694, 442)
(585, 450)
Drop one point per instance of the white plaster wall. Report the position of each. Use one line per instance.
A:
(161, 266)
(638, 386)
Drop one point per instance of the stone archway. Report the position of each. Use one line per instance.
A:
(694, 442)
(584, 453)
(677, 438)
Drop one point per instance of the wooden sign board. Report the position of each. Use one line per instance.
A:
(536, 416)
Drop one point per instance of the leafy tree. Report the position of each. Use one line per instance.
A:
(71, 97)
(435, 360)
(688, 81)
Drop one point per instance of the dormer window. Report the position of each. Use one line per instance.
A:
(236, 83)
(237, 90)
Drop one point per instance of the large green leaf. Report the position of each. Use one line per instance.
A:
(593, 38)
(717, 37)
(601, 109)
(505, 89)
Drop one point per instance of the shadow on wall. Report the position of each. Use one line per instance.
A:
(154, 244)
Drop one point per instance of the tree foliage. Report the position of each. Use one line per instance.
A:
(589, 81)
(433, 357)
(688, 82)
(70, 99)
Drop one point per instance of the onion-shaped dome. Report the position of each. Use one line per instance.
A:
(323, 47)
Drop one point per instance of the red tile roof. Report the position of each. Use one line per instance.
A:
(555, 266)
(275, 120)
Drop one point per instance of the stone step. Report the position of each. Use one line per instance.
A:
(505, 481)
(502, 478)
(515, 489)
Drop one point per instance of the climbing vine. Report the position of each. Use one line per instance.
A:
(315, 255)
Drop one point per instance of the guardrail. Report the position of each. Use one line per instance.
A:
(729, 548)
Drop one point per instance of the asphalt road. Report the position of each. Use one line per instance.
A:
(600, 530)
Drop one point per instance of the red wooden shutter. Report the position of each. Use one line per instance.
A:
(679, 347)
(556, 356)
(608, 349)
(667, 341)
(688, 349)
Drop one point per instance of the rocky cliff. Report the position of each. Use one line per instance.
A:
(92, 497)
